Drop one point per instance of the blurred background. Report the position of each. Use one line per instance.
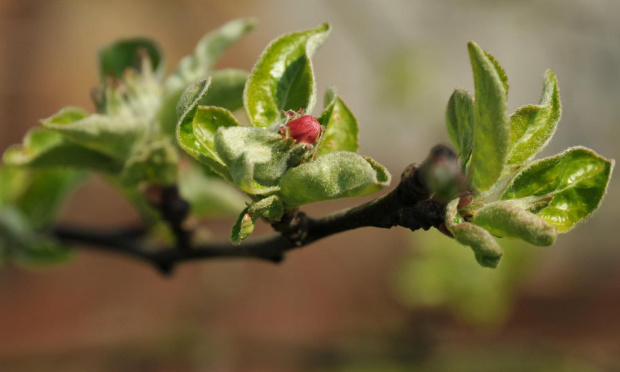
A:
(367, 300)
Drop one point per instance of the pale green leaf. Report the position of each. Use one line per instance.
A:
(47, 148)
(226, 90)
(207, 120)
(199, 64)
(154, 163)
(21, 245)
(116, 58)
(186, 137)
(491, 126)
(486, 250)
(283, 78)
(256, 157)
(460, 122)
(209, 195)
(270, 208)
(44, 194)
(532, 126)
(341, 129)
(113, 136)
(577, 179)
(505, 219)
(336, 175)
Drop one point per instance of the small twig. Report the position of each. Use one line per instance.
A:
(408, 205)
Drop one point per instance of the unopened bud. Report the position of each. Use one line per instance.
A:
(304, 129)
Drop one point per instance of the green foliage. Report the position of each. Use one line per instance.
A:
(283, 78)
(29, 201)
(143, 118)
(491, 127)
(536, 199)
(576, 180)
(262, 160)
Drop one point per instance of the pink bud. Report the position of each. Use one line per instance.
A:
(304, 129)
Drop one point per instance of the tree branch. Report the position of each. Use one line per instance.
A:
(408, 205)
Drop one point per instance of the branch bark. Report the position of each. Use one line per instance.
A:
(408, 205)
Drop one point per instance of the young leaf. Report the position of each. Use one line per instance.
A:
(505, 219)
(270, 208)
(532, 126)
(154, 163)
(283, 78)
(20, 245)
(113, 136)
(486, 250)
(340, 128)
(256, 157)
(336, 175)
(209, 195)
(116, 58)
(460, 122)
(491, 127)
(207, 120)
(199, 64)
(47, 148)
(186, 136)
(577, 180)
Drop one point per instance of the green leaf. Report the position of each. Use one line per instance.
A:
(256, 157)
(44, 194)
(226, 90)
(47, 148)
(199, 64)
(491, 127)
(121, 55)
(486, 250)
(113, 136)
(341, 130)
(20, 245)
(208, 195)
(154, 163)
(270, 208)
(460, 122)
(336, 175)
(500, 71)
(186, 136)
(505, 219)
(577, 179)
(283, 78)
(532, 126)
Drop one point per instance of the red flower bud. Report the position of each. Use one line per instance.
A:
(304, 129)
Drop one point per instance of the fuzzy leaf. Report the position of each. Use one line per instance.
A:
(486, 250)
(336, 175)
(199, 64)
(460, 122)
(256, 157)
(577, 179)
(20, 245)
(113, 136)
(532, 126)
(226, 90)
(283, 78)
(116, 58)
(505, 219)
(270, 208)
(340, 128)
(47, 148)
(209, 195)
(226, 83)
(154, 163)
(186, 136)
(491, 127)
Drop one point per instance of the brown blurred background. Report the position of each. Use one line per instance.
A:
(367, 300)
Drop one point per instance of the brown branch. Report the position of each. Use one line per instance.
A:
(408, 205)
